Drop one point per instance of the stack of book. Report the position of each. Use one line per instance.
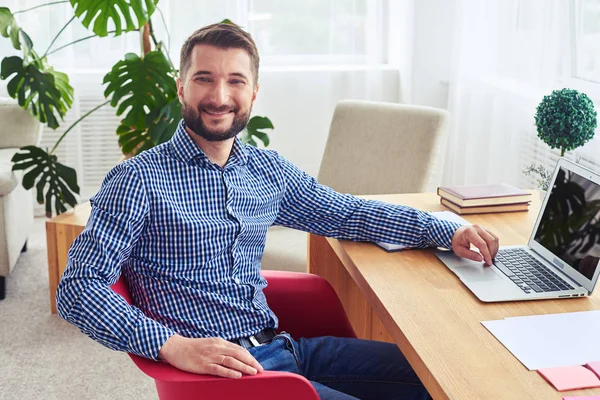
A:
(481, 199)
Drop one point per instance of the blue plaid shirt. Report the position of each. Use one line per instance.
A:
(189, 237)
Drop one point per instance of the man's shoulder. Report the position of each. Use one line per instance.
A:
(262, 156)
(149, 160)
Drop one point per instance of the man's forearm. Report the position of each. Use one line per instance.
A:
(103, 315)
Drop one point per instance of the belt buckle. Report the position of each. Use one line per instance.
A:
(253, 340)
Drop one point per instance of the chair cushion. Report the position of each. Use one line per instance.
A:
(8, 180)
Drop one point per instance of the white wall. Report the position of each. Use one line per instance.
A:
(433, 51)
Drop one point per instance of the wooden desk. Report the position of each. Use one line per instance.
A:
(412, 299)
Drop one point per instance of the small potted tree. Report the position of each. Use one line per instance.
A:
(565, 120)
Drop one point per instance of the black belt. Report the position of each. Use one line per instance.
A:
(258, 339)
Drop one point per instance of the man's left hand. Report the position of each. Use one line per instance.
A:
(476, 235)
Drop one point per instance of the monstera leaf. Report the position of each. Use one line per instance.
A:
(140, 86)
(159, 126)
(9, 27)
(47, 93)
(119, 11)
(163, 121)
(54, 180)
(253, 131)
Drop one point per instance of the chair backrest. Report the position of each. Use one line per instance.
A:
(19, 128)
(381, 148)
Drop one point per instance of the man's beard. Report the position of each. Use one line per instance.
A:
(193, 120)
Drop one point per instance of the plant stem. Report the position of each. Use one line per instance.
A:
(75, 123)
(75, 41)
(156, 44)
(57, 35)
(166, 30)
(562, 151)
(41, 5)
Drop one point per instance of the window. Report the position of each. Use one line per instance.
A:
(586, 32)
(316, 31)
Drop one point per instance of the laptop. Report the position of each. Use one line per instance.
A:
(561, 258)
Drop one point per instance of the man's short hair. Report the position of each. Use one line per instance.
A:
(223, 36)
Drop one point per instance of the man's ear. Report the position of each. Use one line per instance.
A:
(180, 90)
(255, 92)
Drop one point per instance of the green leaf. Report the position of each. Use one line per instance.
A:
(140, 86)
(26, 43)
(162, 122)
(54, 180)
(257, 122)
(9, 27)
(252, 131)
(566, 119)
(47, 94)
(119, 11)
(159, 126)
(263, 137)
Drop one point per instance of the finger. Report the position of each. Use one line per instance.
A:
(497, 240)
(243, 355)
(219, 370)
(491, 241)
(475, 239)
(237, 365)
(469, 254)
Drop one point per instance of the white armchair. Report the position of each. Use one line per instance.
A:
(372, 148)
(17, 129)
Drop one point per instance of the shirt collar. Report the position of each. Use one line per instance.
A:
(187, 150)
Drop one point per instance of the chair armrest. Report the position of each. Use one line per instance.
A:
(306, 305)
(174, 384)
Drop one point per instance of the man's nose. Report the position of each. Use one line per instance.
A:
(219, 93)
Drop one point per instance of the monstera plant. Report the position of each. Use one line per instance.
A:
(141, 87)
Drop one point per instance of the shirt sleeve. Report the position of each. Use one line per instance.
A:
(84, 297)
(309, 206)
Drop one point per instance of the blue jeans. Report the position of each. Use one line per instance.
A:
(343, 368)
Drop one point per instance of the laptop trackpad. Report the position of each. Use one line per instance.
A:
(475, 272)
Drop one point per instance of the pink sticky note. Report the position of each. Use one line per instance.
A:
(569, 378)
(595, 367)
(581, 398)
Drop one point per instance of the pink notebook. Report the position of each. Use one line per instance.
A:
(595, 367)
(570, 378)
(581, 398)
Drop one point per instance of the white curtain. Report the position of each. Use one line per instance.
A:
(510, 53)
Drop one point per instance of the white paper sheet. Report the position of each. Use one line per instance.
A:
(443, 215)
(550, 340)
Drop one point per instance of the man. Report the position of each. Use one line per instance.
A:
(185, 222)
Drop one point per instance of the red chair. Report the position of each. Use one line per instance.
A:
(306, 305)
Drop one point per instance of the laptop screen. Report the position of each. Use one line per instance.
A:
(570, 224)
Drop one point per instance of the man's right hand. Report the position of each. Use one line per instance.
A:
(212, 356)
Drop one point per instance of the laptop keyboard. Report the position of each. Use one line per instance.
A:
(528, 273)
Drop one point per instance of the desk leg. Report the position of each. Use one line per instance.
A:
(323, 261)
(52, 263)
(59, 238)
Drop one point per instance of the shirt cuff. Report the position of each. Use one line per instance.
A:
(441, 233)
(148, 338)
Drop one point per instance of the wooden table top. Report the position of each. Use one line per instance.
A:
(436, 321)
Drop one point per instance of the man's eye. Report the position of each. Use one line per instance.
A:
(202, 79)
(237, 81)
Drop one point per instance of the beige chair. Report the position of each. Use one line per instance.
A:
(18, 129)
(372, 148)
